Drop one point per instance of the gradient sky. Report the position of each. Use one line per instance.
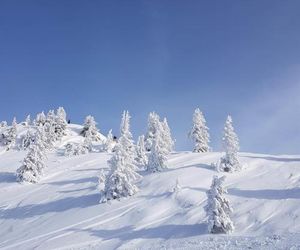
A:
(101, 57)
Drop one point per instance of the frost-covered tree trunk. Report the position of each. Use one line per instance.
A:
(166, 136)
(120, 181)
(218, 208)
(153, 121)
(158, 154)
(229, 162)
(141, 157)
(91, 125)
(34, 163)
(199, 132)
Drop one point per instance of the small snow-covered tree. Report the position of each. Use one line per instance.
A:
(3, 124)
(153, 121)
(199, 132)
(218, 208)
(158, 154)
(90, 124)
(120, 181)
(229, 162)
(10, 135)
(166, 136)
(109, 143)
(141, 157)
(34, 163)
(72, 149)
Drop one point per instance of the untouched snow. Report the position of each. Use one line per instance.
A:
(63, 210)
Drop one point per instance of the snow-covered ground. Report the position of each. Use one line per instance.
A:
(63, 210)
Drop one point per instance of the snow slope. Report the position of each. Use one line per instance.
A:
(62, 211)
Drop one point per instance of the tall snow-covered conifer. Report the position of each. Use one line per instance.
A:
(218, 208)
(34, 163)
(60, 123)
(153, 120)
(166, 136)
(10, 135)
(141, 157)
(199, 132)
(120, 181)
(229, 162)
(158, 154)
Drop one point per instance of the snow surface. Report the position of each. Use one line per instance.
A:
(63, 210)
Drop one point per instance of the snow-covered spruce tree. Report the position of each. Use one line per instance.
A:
(34, 163)
(27, 140)
(158, 154)
(3, 124)
(90, 124)
(28, 121)
(167, 137)
(141, 157)
(218, 208)
(88, 141)
(229, 162)
(60, 123)
(72, 149)
(153, 120)
(40, 119)
(199, 132)
(10, 135)
(109, 143)
(120, 181)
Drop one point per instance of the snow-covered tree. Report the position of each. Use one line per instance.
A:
(177, 187)
(218, 208)
(34, 163)
(199, 132)
(158, 155)
(120, 181)
(28, 120)
(27, 140)
(229, 162)
(60, 123)
(126, 137)
(90, 124)
(3, 124)
(40, 119)
(153, 121)
(109, 143)
(167, 137)
(141, 157)
(10, 135)
(72, 149)
(88, 141)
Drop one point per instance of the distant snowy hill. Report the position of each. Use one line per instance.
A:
(62, 211)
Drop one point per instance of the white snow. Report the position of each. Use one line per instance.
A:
(62, 211)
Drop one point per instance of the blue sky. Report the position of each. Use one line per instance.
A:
(101, 57)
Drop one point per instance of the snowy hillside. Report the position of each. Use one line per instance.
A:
(62, 211)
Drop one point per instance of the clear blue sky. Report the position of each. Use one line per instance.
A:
(101, 57)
